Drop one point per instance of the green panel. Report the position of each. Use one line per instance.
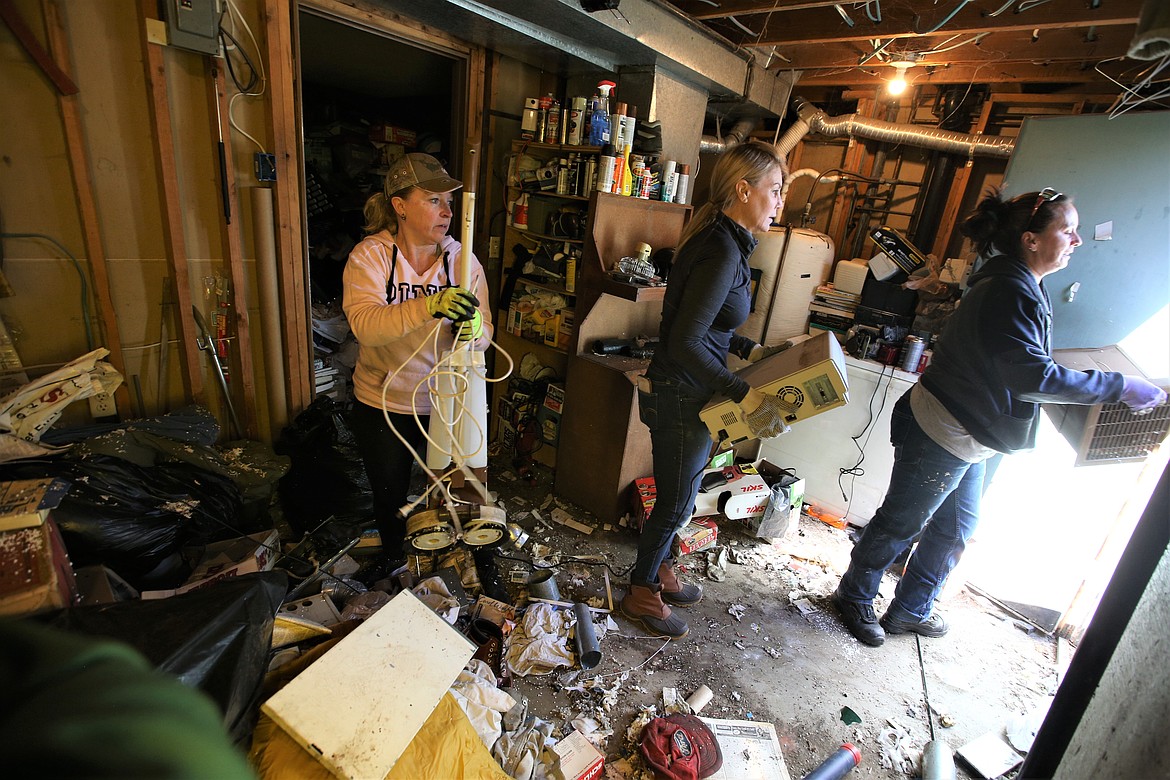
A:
(1115, 170)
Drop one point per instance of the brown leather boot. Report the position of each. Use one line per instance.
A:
(644, 604)
(674, 591)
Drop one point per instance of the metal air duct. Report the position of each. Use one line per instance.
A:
(875, 129)
(739, 132)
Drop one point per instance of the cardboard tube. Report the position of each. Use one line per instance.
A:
(698, 700)
(264, 236)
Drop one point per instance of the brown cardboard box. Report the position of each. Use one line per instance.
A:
(35, 573)
(701, 533)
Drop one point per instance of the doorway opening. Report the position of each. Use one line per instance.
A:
(368, 96)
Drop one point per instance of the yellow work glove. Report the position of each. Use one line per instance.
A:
(763, 414)
(468, 330)
(453, 303)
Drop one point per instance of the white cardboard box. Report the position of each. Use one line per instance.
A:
(577, 758)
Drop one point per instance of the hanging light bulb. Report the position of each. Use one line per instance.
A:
(897, 85)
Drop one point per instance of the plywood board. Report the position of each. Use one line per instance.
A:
(357, 707)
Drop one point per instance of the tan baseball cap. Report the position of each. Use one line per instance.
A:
(419, 170)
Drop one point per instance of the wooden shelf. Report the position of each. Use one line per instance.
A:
(520, 145)
(548, 194)
(550, 286)
(545, 237)
(630, 291)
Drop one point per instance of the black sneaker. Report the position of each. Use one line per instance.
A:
(933, 627)
(861, 621)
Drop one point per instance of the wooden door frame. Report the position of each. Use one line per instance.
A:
(283, 60)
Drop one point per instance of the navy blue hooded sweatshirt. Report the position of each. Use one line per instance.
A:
(992, 366)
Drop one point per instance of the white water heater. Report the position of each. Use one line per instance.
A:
(789, 262)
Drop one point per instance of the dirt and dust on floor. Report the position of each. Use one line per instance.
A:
(765, 642)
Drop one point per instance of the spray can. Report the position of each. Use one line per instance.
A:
(528, 119)
(571, 272)
(684, 181)
(589, 178)
(912, 349)
(576, 120)
(605, 169)
(552, 124)
(520, 220)
(837, 765)
(669, 180)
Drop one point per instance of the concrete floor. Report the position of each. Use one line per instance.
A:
(774, 662)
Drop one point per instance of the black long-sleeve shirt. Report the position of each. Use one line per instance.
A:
(708, 296)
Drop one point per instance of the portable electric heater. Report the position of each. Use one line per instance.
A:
(808, 378)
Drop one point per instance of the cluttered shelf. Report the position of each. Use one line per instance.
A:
(544, 236)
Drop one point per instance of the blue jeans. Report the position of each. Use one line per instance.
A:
(932, 492)
(681, 449)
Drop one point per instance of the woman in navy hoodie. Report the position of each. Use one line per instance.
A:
(981, 394)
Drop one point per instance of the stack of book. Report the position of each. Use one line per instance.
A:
(327, 380)
(832, 310)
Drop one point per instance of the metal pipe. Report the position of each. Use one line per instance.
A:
(928, 137)
(739, 132)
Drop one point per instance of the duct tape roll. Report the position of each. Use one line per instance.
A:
(588, 651)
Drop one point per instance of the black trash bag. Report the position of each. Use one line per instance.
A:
(215, 639)
(327, 478)
(136, 520)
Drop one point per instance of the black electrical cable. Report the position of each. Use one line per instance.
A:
(254, 77)
(855, 470)
(80, 275)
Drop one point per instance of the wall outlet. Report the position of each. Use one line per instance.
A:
(102, 405)
(493, 247)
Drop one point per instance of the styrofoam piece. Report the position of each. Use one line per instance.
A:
(849, 275)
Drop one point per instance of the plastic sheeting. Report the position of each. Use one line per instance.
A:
(216, 639)
(327, 478)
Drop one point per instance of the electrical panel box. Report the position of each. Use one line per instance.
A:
(193, 24)
(808, 378)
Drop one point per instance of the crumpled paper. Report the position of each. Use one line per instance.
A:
(540, 642)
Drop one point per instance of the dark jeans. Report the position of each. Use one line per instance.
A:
(681, 449)
(388, 465)
(932, 492)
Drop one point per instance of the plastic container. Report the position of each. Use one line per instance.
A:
(599, 130)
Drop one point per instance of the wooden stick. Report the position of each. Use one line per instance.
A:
(570, 605)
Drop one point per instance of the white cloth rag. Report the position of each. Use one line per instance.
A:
(540, 642)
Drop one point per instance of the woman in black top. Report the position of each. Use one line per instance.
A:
(708, 296)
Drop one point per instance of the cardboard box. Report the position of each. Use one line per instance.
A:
(643, 494)
(100, 585)
(35, 573)
(25, 503)
(700, 534)
(230, 558)
(389, 134)
(577, 758)
(744, 494)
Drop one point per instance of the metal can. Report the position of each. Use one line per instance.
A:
(912, 349)
(529, 119)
